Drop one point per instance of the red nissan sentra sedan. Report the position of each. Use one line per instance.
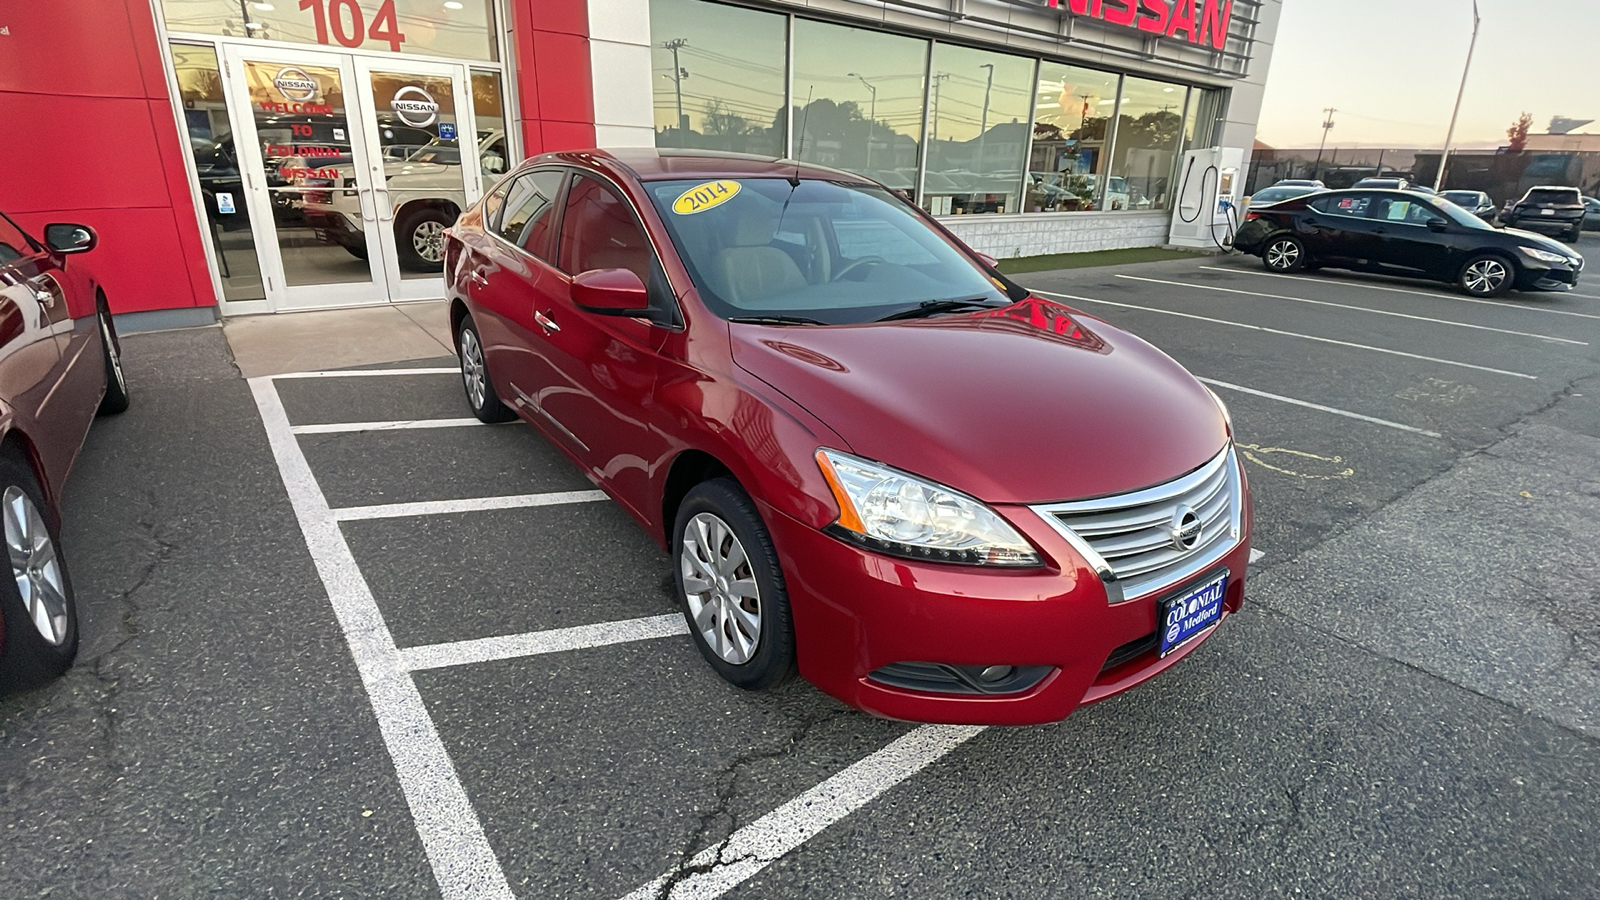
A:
(870, 455)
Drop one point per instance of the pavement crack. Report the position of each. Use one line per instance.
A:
(723, 807)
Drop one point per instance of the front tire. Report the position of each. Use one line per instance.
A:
(1486, 275)
(41, 616)
(1284, 254)
(419, 236)
(116, 398)
(481, 397)
(731, 587)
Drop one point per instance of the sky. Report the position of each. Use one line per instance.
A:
(1392, 68)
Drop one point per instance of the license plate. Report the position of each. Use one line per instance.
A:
(1547, 212)
(1187, 615)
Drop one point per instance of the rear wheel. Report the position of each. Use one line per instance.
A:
(1575, 233)
(1485, 276)
(41, 618)
(485, 403)
(1284, 253)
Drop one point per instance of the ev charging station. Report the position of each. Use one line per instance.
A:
(1210, 188)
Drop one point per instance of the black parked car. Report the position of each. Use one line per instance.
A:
(1547, 208)
(1591, 214)
(1475, 202)
(1405, 233)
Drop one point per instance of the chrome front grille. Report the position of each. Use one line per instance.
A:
(1133, 541)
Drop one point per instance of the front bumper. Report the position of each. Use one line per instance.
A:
(1537, 275)
(335, 226)
(856, 611)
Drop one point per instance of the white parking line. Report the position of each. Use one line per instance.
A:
(752, 848)
(1437, 295)
(1295, 334)
(400, 425)
(1365, 309)
(1318, 406)
(556, 640)
(362, 373)
(479, 504)
(463, 862)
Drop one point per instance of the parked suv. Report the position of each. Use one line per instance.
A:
(1547, 209)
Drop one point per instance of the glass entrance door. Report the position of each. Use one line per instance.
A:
(355, 170)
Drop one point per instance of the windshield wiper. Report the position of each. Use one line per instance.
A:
(775, 320)
(935, 307)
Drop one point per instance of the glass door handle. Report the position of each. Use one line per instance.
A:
(363, 199)
(387, 204)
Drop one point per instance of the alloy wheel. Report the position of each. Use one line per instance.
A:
(428, 240)
(1283, 254)
(113, 353)
(720, 587)
(35, 566)
(472, 368)
(1484, 276)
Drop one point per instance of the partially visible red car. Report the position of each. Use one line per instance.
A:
(870, 455)
(60, 364)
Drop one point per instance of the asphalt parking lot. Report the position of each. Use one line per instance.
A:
(339, 642)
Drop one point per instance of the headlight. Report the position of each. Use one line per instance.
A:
(899, 514)
(1545, 255)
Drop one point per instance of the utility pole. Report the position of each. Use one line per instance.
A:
(1327, 123)
(983, 126)
(677, 78)
(872, 115)
(938, 80)
(1449, 135)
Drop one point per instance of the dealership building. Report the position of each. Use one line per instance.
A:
(253, 156)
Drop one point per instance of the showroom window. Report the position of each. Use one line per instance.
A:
(216, 161)
(1145, 147)
(979, 120)
(718, 73)
(858, 101)
(461, 29)
(1071, 130)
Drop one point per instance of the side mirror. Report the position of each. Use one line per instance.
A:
(64, 237)
(611, 292)
(1437, 225)
(987, 260)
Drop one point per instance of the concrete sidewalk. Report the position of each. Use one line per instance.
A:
(338, 338)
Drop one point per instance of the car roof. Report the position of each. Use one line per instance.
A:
(651, 164)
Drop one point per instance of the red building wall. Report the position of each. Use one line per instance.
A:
(90, 137)
(554, 83)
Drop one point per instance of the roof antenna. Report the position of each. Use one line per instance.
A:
(794, 180)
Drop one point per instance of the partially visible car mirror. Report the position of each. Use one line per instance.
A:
(1437, 225)
(65, 237)
(611, 292)
(987, 260)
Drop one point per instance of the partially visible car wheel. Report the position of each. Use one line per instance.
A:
(1284, 253)
(116, 397)
(1575, 233)
(1486, 275)
(41, 618)
(485, 403)
(731, 586)
(419, 234)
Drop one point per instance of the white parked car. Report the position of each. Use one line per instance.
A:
(424, 191)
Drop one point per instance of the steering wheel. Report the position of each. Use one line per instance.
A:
(863, 261)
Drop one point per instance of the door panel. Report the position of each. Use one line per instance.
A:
(1406, 243)
(32, 307)
(1338, 229)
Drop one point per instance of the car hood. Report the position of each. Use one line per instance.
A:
(1542, 242)
(1031, 403)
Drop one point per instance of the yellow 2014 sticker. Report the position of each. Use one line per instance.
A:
(706, 196)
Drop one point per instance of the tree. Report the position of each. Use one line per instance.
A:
(1518, 132)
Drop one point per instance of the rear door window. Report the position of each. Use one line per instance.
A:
(1350, 205)
(530, 211)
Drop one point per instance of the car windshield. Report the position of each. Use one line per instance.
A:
(823, 251)
(1458, 215)
(1537, 195)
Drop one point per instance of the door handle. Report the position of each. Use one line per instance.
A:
(45, 298)
(478, 279)
(548, 324)
(387, 203)
(363, 198)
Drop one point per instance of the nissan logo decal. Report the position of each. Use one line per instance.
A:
(1186, 528)
(295, 84)
(415, 106)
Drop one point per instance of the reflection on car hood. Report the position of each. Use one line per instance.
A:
(1542, 242)
(1029, 403)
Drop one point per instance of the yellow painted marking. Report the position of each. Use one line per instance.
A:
(706, 196)
(1254, 452)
